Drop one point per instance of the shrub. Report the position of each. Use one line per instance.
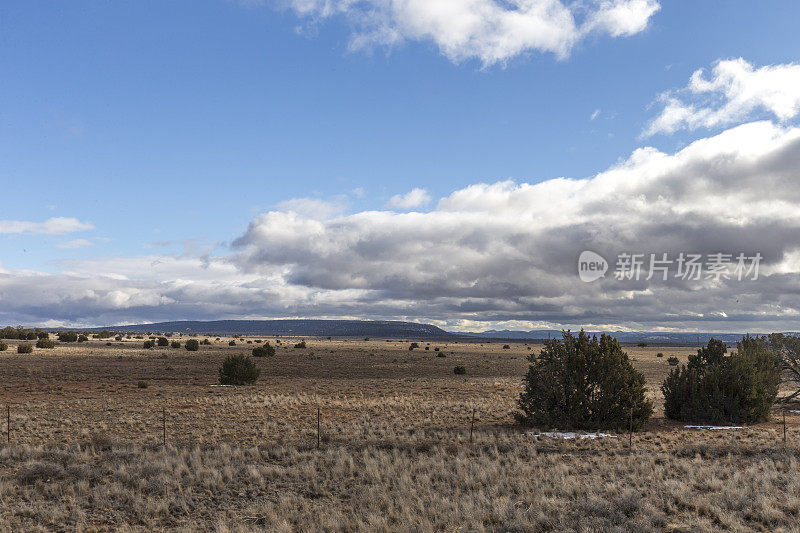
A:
(206, 342)
(42, 335)
(238, 370)
(642, 345)
(175, 344)
(82, 338)
(459, 370)
(659, 354)
(413, 345)
(67, 336)
(436, 349)
(672, 360)
(301, 344)
(192, 345)
(118, 338)
(440, 354)
(148, 344)
(45, 343)
(232, 343)
(506, 347)
(583, 383)
(718, 389)
(264, 351)
(163, 341)
(3, 347)
(142, 384)
(25, 348)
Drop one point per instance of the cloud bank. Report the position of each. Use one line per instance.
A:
(492, 31)
(488, 255)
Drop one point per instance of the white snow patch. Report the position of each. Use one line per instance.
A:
(571, 435)
(714, 427)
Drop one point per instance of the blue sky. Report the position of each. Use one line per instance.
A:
(170, 126)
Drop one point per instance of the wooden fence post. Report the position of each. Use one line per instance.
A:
(472, 425)
(630, 433)
(784, 427)
(318, 427)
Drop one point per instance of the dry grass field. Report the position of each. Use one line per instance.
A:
(86, 448)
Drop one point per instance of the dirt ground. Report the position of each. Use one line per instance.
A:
(395, 450)
(61, 395)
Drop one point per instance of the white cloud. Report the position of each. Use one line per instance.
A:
(414, 198)
(315, 207)
(734, 92)
(486, 255)
(595, 114)
(51, 226)
(75, 243)
(492, 31)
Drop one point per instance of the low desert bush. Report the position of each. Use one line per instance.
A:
(192, 345)
(459, 370)
(583, 382)
(25, 348)
(659, 354)
(231, 343)
(163, 341)
(82, 338)
(3, 347)
(148, 344)
(267, 350)
(506, 347)
(175, 344)
(238, 369)
(672, 360)
(301, 344)
(142, 384)
(67, 336)
(206, 342)
(718, 389)
(45, 343)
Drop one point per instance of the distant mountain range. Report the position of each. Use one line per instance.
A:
(396, 330)
(293, 328)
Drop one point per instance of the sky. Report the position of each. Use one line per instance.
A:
(426, 160)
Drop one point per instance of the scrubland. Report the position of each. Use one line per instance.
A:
(87, 452)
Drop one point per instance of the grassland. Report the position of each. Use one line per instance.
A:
(86, 447)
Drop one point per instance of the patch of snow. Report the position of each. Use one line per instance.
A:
(571, 435)
(220, 385)
(714, 427)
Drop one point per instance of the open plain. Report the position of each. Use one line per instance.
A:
(88, 422)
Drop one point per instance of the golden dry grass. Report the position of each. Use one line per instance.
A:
(395, 453)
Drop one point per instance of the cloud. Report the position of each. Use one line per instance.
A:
(51, 226)
(595, 114)
(492, 31)
(315, 207)
(507, 251)
(489, 255)
(734, 92)
(414, 198)
(76, 243)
